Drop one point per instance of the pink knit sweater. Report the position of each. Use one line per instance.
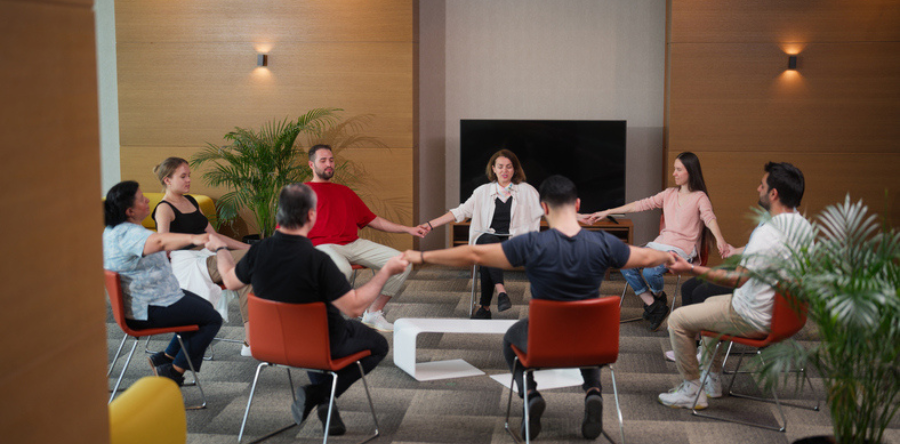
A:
(683, 220)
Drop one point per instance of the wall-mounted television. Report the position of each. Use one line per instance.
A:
(590, 152)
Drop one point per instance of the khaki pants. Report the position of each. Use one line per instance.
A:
(368, 254)
(716, 314)
(213, 266)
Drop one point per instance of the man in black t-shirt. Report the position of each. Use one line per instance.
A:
(564, 263)
(287, 268)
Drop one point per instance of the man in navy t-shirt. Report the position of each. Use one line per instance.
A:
(287, 268)
(564, 263)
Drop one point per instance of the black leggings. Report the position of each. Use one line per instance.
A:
(696, 291)
(489, 276)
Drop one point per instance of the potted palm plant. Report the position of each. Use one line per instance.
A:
(256, 164)
(848, 276)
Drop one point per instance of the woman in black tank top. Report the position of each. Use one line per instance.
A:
(180, 213)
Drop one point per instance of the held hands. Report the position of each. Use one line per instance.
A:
(413, 257)
(215, 241)
(427, 228)
(396, 265)
(598, 216)
(726, 250)
(678, 265)
(200, 239)
(417, 231)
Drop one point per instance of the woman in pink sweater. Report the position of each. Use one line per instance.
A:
(686, 209)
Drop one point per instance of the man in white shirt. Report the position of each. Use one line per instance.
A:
(747, 312)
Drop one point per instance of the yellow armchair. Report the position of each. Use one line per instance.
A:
(207, 207)
(150, 411)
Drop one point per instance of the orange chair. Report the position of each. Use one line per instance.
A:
(703, 257)
(355, 268)
(787, 319)
(570, 334)
(296, 335)
(116, 301)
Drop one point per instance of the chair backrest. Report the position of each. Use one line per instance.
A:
(788, 317)
(116, 298)
(289, 334)
(573, 333)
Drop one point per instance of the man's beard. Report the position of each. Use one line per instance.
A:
(324, 174)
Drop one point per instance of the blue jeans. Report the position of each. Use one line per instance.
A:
(639, 279)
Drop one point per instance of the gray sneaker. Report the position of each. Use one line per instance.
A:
(682, 397)
(592, 426)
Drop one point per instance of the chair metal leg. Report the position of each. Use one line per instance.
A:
(618, 408)
(781, 428)
(250, 400)
(116, 357)
(127, 362)
(474, 283)
(194, 373)
(621, 299)
(675, 293)
(512, 382)
(371, 404)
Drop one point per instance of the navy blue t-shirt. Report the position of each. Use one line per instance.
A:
(563, 268)
(287, 268)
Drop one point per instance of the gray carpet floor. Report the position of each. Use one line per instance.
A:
(472, 410)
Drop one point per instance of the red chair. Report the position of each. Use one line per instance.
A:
(570, 334)
(703, 257)
(296, 335)
(787, 319)
(116, 301)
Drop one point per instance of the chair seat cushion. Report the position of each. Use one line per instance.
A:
(158, 331)
(738, 339)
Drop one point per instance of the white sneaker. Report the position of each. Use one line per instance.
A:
(670, 356)
(377, 321)
(713, 384)
(245, 350)
(682, 397)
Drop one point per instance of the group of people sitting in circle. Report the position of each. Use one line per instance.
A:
(310, 257)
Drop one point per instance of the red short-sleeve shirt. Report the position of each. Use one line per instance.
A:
(340, 214)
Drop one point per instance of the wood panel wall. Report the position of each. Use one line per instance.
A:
(52, 373)
(732, 101)
(188, 75)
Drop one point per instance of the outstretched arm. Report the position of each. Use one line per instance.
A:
(434, 223)
(647, 257)
(382, 224)
(355, 302)
(490, 255)
(225, 263)
(719, 276)
(172, 241)
(721, 245)
(600, 215)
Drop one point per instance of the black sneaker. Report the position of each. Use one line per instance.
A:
(481, 313)
(536, 406)
(659, 311)
(158, 359)
(337, 427)
(168, 371)
(592, 426)
(646, 314)
(503, 302)
(301, 406)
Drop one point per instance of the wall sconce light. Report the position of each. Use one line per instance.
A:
(792, 62)
(262, 60)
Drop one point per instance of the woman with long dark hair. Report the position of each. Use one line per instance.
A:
(688, 216)
(152, 295)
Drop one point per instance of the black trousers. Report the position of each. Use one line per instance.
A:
(489, 276)
(190, 309)
(358, 338)
(696, 291)
(518, 335)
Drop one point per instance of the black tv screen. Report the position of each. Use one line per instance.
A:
(589, 152)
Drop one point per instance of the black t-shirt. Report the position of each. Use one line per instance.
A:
(288, 268)
(502, 215)
(563, 268)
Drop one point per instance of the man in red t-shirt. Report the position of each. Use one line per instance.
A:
(341, 213)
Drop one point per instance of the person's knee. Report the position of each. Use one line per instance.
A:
(380, 346)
